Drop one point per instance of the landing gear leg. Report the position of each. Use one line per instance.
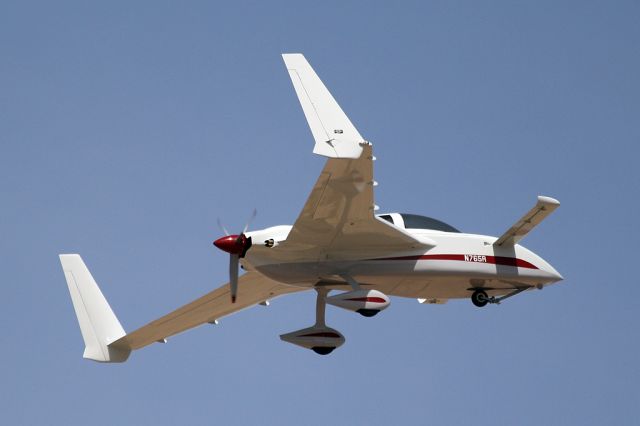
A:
(353, 283)
(321, 305)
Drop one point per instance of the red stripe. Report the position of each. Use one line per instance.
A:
(367, 299)
(496, 260)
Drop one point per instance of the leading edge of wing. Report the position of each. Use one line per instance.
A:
(253, 288)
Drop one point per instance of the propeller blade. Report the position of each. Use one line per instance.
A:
(222, 228)
(234, 265)
(236, 246)
(253, 216)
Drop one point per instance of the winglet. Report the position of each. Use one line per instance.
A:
(335, 135)
(98, 324)
(543, 208)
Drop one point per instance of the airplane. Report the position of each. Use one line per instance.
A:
(338, 243)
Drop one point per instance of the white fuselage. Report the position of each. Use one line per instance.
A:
(458, 263)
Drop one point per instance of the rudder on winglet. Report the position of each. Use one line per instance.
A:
(98, 324)
(334, 134)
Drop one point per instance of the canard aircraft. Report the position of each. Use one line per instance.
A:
(337, 244)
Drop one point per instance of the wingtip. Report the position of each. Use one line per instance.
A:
(69, 256)
(548, 200)
(292, 59)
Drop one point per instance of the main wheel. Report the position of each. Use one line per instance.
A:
(479, 298)
(322, 350)
(368, 312)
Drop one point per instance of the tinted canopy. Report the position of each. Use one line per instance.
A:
(414, 221)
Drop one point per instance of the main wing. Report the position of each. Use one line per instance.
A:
(338, 220)
(253, 288)
(106, 341)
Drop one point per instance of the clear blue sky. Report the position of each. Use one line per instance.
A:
(126, 128)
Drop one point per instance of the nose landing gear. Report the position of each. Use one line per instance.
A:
(480, 298)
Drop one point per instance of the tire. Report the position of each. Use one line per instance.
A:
(368, 312)
(479, 298)
(322, 350)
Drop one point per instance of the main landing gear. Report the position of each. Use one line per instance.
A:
(480, 298)
(319, 338)
(322, 339)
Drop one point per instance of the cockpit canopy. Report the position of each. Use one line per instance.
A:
(414, 221)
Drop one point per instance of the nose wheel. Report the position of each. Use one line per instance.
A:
(480, 298)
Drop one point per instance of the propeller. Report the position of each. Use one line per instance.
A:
(236, 246)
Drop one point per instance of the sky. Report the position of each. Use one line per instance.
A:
(128, 128)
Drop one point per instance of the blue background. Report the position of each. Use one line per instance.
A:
(127, 128)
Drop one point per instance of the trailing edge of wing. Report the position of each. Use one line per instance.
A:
(334, 134)
(543, 208)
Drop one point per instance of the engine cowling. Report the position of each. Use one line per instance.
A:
(321, 340)
(365, 302)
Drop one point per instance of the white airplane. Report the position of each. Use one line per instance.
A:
(338, 243)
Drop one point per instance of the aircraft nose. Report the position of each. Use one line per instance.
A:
(554, 274)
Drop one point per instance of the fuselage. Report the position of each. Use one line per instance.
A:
(457, 264)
